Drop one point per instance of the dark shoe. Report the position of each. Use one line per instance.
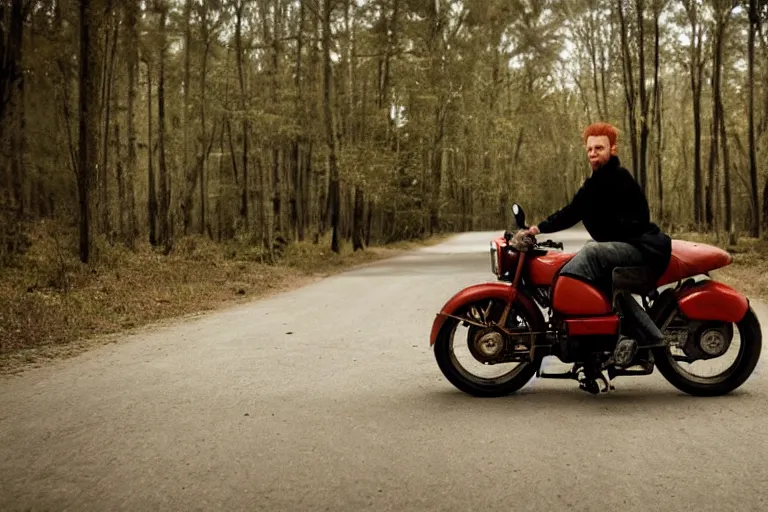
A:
(625, 352)
(643, 359)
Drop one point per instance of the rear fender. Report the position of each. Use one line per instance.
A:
(711, 300)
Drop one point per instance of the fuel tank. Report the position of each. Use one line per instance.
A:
(572, 297)
(542, 269)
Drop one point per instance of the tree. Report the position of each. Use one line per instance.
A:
(275, 120)
(89, 24)
(332, 141)
(629, 89)
(132, 63)
(696, 69)
(754, 21)
(658, 7)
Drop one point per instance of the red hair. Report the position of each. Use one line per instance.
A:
(599, 129)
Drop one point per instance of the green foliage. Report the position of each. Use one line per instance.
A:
(490, 98)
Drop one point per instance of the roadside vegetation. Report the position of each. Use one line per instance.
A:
(52, 305)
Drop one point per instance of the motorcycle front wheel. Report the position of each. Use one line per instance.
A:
(470, 357)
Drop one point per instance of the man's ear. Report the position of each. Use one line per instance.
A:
(614, 150)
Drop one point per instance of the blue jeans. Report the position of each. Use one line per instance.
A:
(596, 261)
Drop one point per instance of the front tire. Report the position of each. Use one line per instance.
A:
(474, 385)
(749, 354)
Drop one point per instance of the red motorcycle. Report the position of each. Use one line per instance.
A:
(507, 335)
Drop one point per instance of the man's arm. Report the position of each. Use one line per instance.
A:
(565, 218)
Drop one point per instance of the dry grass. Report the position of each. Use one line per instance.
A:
(53, 306)
(749, 271)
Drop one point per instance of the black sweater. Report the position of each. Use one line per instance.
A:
(614, 208)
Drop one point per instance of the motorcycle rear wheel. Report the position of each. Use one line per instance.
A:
(722, 384)
(474, 385)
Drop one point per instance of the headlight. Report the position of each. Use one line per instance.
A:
(494, 259)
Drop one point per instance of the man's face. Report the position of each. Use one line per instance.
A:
(599, 151)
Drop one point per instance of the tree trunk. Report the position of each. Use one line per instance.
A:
(711, 189)
(240, 74)
(721, 21)
(384, 99)
(10, 53)
(369, 222)
(330, 128)
(722, 25)
(603, 66)
(298, 199)
(728, 225)
(435, 164)
(754, 20)
(592, 45)
(186, 204)
(204, 166)
(103, 171)
(152, 205)
(220, 198)
(642, 170)
(307, 173)
(165, 235)
(296, 188)
(696, 74)
(12, 108)
(121, 195)
(88, 118)
(131, 231)
(657, 109)
(277, 153)
(629, 88)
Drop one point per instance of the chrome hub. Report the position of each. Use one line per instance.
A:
(713, 342)
(490, 344)
(486, 345)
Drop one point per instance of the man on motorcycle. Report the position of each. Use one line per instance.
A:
(615, 213)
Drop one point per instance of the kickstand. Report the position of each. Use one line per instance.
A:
(607, 381)
(591, 378)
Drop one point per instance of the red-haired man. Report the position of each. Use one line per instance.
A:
(615, 213)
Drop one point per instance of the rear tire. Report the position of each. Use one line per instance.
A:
(749, 354)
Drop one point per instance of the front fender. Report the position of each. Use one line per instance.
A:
(711, 300)
(470, 294)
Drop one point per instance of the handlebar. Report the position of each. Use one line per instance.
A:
(550, 243)
(546, 243)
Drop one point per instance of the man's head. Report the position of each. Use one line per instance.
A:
(600, 141)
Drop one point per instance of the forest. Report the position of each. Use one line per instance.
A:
(140, 122)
